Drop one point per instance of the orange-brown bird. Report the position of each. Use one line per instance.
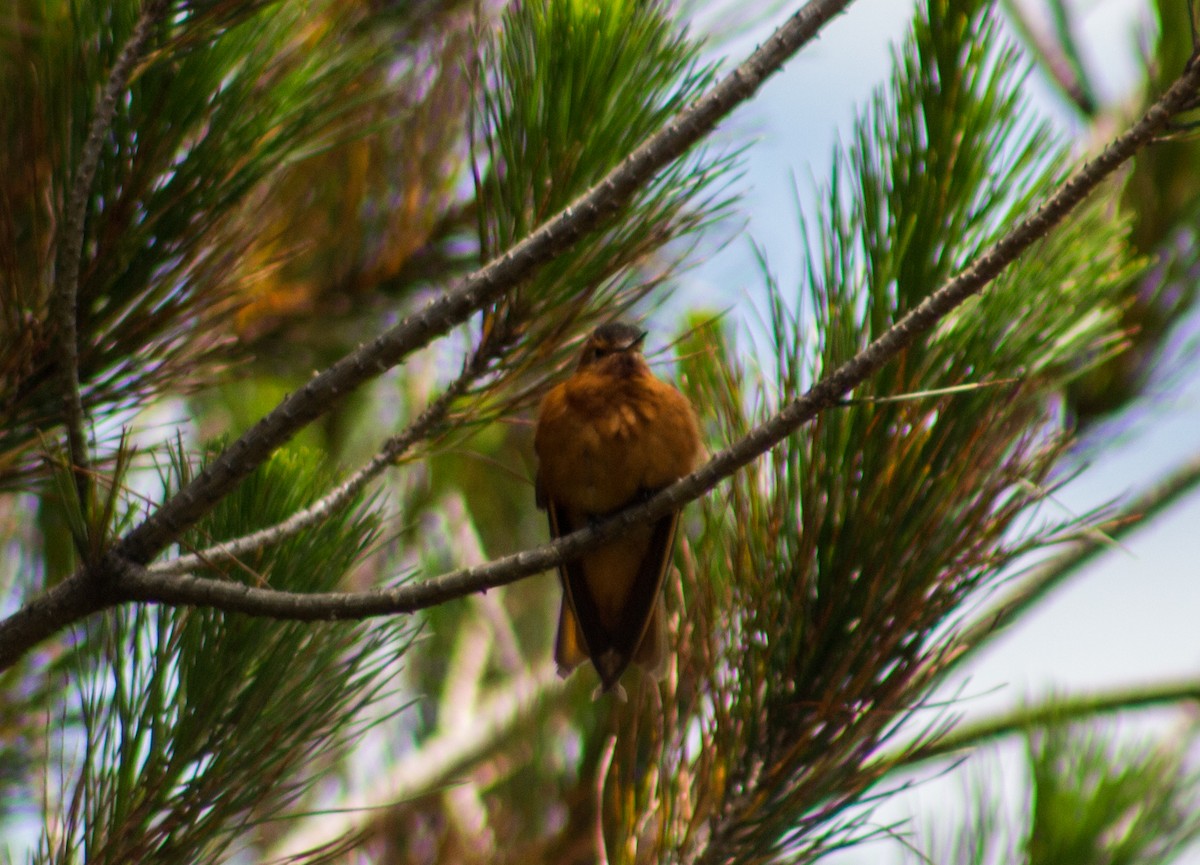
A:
(609, 435)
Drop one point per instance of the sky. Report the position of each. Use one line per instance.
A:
(1130, 617)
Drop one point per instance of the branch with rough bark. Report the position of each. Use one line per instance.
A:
(152, 586)
(480, 288)
(128, 580)
(230, 552)
(98, 587)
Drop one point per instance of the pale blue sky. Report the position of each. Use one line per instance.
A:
(1130, 618)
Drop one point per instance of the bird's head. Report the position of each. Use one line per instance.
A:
(615, 347)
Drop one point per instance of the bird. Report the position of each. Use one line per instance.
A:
(609, 435)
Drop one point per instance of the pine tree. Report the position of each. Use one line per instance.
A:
(282, 284)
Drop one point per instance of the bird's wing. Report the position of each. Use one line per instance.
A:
(638, 612)
(571, 643)
(581, 631)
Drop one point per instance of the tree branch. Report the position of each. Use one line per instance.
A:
(73, 599)
(1054, 711)
(554, 236)
(1052, 574)
(137, 584)
(69, 252)
(231, 551)
(132, 583)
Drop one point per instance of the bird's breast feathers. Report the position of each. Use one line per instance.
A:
(601, 442)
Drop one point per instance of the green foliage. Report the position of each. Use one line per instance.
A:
(818, 583)
(576, 86)
(1095, 798)
(94, 523)
(1098, 803)
(209, 117)
(191, 726)
(579, 84)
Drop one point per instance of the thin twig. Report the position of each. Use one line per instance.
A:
(139, 585)
(232, 551)
(21, 631)
(69, 252)
(1055, 711)
(1133, 516)
(37, 620)
(475, 291)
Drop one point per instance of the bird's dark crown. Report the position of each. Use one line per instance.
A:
(614, 342)
(618, 334)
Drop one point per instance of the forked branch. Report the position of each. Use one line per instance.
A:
(79, 595)
(143, 586)
(475, 291)
(131, 582)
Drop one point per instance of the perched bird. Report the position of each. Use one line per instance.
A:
(609, 435)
